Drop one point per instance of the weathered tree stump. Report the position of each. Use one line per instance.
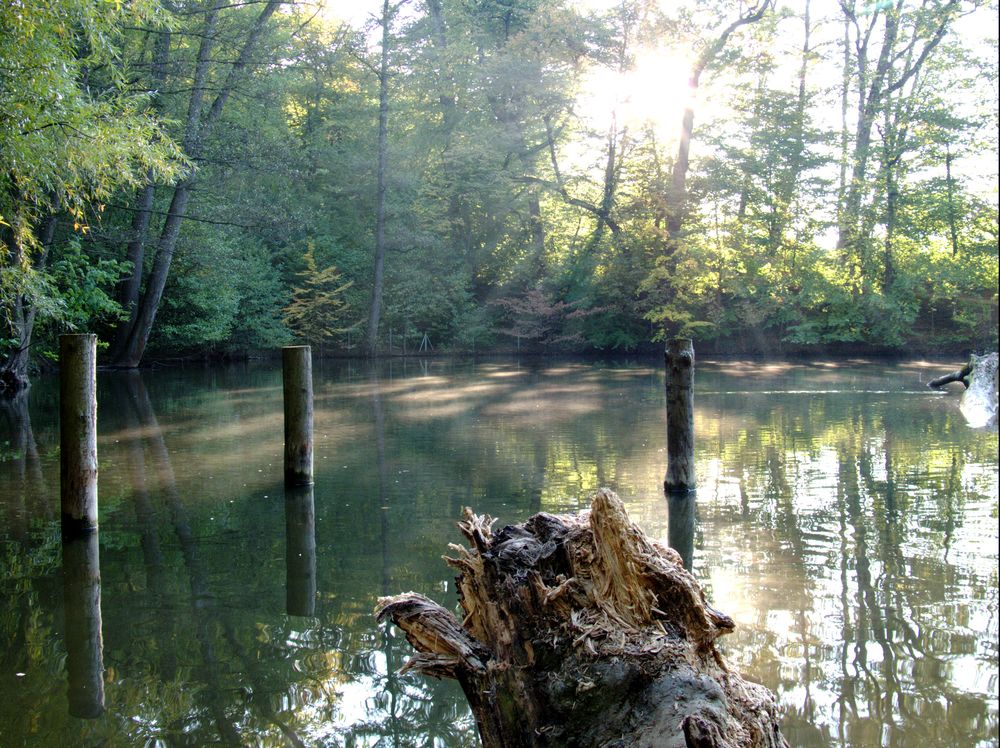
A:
(979, 401)
(581, 631)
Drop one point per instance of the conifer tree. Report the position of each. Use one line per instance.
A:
(318, 304)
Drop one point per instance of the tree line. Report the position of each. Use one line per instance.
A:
(209, 176)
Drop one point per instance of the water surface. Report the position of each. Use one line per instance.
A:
(846, 518)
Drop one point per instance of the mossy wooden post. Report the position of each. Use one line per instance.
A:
(296, 370)
(78, 433)
(81, 570)
(300, 551)
(679, 359)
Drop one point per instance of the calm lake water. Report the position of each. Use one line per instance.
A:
(846, 518)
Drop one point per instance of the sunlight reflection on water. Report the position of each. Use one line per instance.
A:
(845, 518)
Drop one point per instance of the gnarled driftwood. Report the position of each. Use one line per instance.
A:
(581, 631)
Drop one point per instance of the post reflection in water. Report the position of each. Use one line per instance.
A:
(680, 531)
(81, 571)
(300, 551)
(846, 520)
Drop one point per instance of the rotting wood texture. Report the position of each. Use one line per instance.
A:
(579, 630)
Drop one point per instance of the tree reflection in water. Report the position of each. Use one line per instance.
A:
(845, 517)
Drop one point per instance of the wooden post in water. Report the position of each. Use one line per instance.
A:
(296, 371)
(81, 570)
(300, 551)
(679, 359)
(78, 433)
(680, 528)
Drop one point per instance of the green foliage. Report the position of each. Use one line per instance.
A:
(225, 294)
(500, 184)
(82, 285)
(72, 132)
(64, 145)
(77, 295)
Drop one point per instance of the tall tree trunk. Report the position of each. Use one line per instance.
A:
(893, 70)
(677, 197)
(127, 292)
(459, 218)
(894, 142)
(950, 181)
(612, 164)
(14, 370)
(789, 180)
(537, 229)
(845, 135)
(678, 182)
(677, 211)
(446, 98)
(851, 239)
(891, 200)
(134, 345)
(536, 226)
(133, 336)
(380, 176)
(196, 127)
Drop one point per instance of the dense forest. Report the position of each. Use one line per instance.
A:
(220, 177)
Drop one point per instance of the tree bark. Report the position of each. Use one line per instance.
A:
(459, 220)
(791, 172)
(956, 376)
(676, 204)
(891, 202)
(893, 70)
(950, 181)
(14, 370)
(134, 343)
(134, 334)
(380, 176)
(579, 630)
(127, 292)
(677, 210)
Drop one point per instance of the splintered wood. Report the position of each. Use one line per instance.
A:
(579, 630)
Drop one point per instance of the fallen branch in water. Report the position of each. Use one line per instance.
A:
(956, 376)
(979, 401)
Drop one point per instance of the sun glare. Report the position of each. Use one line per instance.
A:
(653, 93)
(353, 13)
